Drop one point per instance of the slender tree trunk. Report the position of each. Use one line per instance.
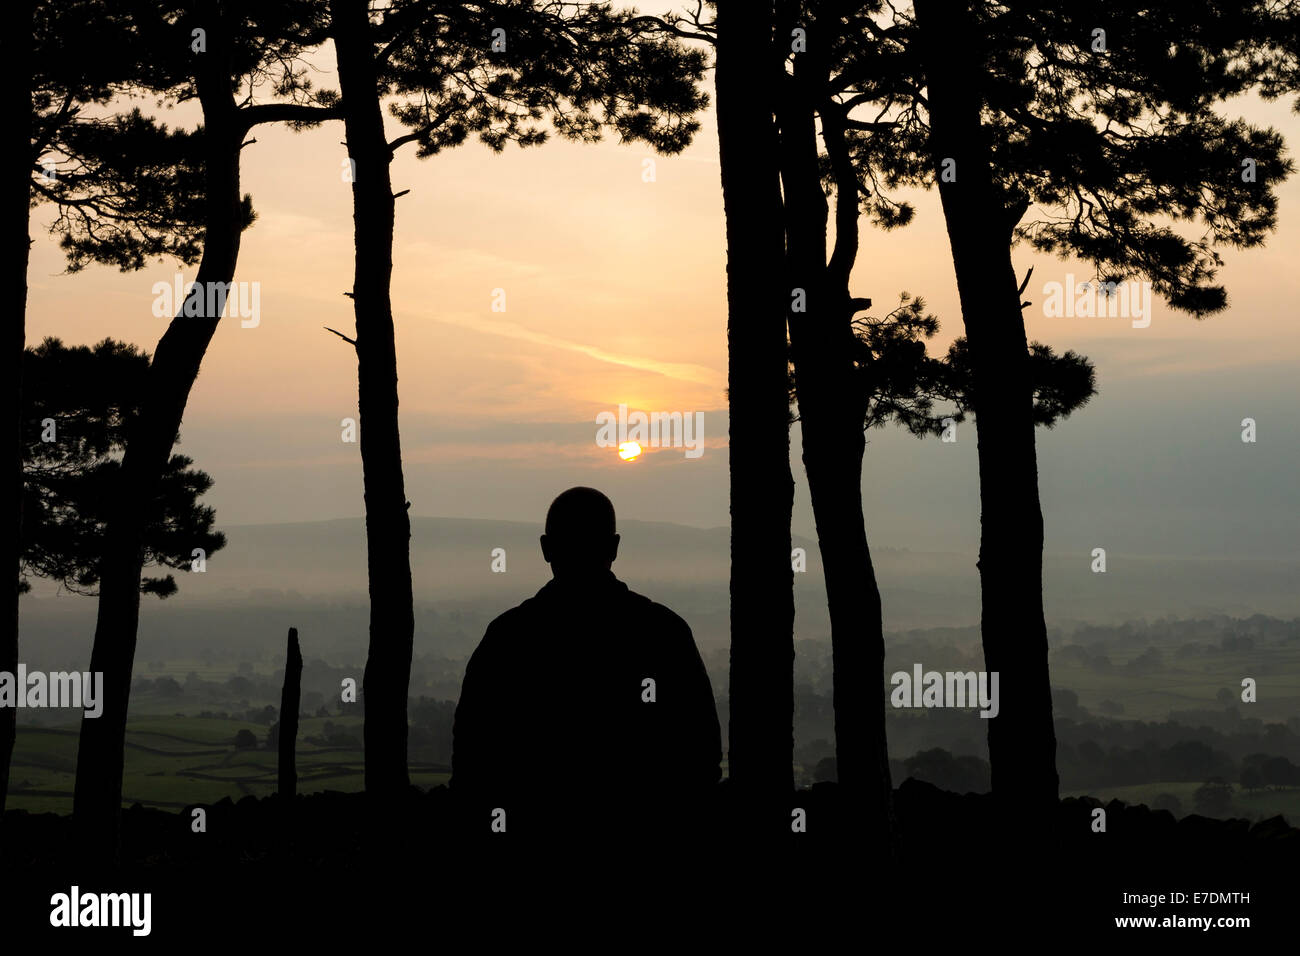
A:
(172, 372)
(831, 414)
(290, 697)
(388, 525)
(761, 732)
(1022, 740)
(15, 116)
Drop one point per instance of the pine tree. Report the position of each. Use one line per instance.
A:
(128, 190)
(206, 51)
(78, 406)
(1107, 122)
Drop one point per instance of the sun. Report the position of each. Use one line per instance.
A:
(629, 451)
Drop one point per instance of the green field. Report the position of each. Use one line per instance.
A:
(173, 761)
(176, 759)
(1189, 683)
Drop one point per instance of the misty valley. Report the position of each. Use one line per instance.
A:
(1145, 712)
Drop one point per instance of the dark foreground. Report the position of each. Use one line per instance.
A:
(426, 871)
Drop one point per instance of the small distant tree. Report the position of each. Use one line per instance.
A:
(1213, 798)
(1251, 779)
(1192, 760)
(1279, 772)
(1065, 703)
(167, 687)
(245, 740)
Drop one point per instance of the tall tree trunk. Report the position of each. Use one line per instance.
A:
(388, 525)
(175, 366)
(15, 116)
(1022, 740)
(761, 732)
(831, 414)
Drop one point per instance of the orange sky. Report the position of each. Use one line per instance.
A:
(615, 294)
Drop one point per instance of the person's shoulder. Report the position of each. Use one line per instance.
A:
(509, 617)
(509, 624)
(664, 616)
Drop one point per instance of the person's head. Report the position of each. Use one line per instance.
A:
(580, 540)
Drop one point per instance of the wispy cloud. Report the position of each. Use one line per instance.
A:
(682, 371)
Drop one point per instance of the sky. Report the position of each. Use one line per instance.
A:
(614, 291)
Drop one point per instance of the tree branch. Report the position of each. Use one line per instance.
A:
(288, 113)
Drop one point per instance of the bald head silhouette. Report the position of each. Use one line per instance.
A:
(580, 539)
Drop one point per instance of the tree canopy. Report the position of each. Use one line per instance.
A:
(79, 404)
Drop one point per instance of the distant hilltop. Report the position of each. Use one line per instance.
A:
(452, 559)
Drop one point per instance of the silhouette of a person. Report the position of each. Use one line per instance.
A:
(586, 690)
